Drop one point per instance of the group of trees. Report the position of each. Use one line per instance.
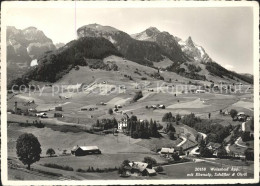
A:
(170, 130)
(106, 124)
(168, 117)
(194, 68)
(175, 67)
(215, 132)
(143, 129)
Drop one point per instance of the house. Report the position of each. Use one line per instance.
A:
(213, 146)
(140, 168)
(226, 112)
(85, 150)
(200, 91)
(162, 106)
(240, 114)
(58, 115)
(122, 124)
(42, 114)
(149, 172)
(167, 151)
(154, 106)
(171, 151)
(32, 110)
(59, 108)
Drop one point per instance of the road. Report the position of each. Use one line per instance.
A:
(183, 141)
(193, 151)
(236, 142)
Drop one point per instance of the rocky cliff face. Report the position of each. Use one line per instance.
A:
(165, 41)
(25, 45)
(194, 51)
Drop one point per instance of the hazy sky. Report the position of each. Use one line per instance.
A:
(225, 33)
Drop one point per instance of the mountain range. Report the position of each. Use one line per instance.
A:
(151, 47)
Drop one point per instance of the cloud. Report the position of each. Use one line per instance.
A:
(230, 67)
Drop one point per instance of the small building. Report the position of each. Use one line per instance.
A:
(240, 114)
(58, 115)
(141, 168)
(32, 110)
(85, 150)
(122, 124)
(149, 172)
(162, 106)
(200, 91)
(167, 151)
(59, 108)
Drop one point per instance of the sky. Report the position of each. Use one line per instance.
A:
(226, 33)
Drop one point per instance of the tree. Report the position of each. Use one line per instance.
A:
(110, 111)
(245, 136)
(137, 96)
(50, 152)
(233, 113)
(249, 154)
(150, 161)
(125, 163)
(28, 149)
(205, 152)
(178, 117)
(222, 153)
(171, 135)
(252, 124)
(188, 137)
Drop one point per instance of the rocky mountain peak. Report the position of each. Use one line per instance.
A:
(152, 30)
(190, 42)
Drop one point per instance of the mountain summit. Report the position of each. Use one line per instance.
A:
(189, 42)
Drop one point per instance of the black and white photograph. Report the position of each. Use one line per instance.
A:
(129, 92)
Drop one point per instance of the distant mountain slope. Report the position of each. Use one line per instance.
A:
(27, 44)
(23, 46)
(166, 42)
(143, 52)
(54, 64)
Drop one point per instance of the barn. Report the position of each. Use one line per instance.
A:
(58, 108)
(85, 150)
